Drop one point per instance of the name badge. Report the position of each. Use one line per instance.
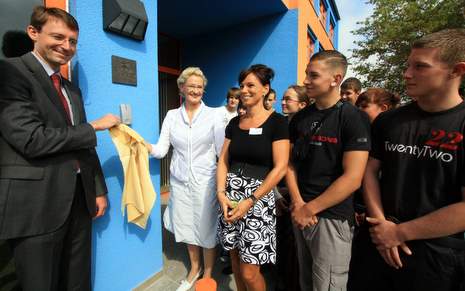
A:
(255, 131)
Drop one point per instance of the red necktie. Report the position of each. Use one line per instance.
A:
(56, 79)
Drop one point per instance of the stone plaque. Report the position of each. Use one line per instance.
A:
(124, 71)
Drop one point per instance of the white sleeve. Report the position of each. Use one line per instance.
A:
(160, 149)
(218, 132)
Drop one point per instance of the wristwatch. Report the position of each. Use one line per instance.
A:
(253, 198)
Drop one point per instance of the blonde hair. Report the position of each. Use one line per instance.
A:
(188, 72)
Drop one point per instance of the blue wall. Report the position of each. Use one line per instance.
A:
(271, 40)
(123, 254)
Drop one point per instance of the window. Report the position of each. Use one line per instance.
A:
(310, 46)
(15, 15)
(323, 13)
(312, 43)
(331, 31)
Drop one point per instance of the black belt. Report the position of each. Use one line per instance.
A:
(249, 170)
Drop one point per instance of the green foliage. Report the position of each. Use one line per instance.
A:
(389, 31)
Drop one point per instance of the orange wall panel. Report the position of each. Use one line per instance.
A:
(309, 18)
(56, 3)
(291, 4)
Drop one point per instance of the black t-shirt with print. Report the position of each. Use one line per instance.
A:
(323, 136)
(422, 157)
(254, 146)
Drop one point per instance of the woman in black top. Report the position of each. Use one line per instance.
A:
(253, 160)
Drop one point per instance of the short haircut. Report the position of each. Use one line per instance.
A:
(450, 42)
(352, 84)
(40, 16)
(234, 91)
(240, 106)
(188, 72)
(301, 93)
(378, 96)
(272, 91)
(333, 58)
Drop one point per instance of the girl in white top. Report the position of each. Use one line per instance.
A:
(192, 208)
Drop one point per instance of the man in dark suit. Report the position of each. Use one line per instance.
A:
(51, 181)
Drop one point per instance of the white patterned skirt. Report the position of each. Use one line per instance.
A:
(254, 236)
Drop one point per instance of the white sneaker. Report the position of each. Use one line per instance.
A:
(186, 285)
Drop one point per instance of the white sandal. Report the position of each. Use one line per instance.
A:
(186, 285)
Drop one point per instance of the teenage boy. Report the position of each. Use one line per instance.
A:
(330, 144)
(224, 114)
(417, 207)
(269, 101)
(351, 88)
(51, 181)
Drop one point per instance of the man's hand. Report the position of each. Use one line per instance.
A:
(101, 205)
(384, 233)
(105, 122)
(387, 238)
(297, 204)
(302, 217)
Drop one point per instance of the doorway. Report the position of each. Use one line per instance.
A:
(168, 72)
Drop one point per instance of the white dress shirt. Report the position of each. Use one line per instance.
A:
(50, 72)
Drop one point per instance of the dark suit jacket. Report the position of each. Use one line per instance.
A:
(39, 151)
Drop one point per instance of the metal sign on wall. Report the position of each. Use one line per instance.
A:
(124, 71)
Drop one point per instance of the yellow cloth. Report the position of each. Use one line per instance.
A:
(138, 193)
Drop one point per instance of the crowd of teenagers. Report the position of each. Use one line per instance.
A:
(346, 190)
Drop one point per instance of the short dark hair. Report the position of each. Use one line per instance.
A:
(333, 58)
(263, 73)
(378, 96)
(40, 16)
(352, 83)
(233, 91)
(272, 91)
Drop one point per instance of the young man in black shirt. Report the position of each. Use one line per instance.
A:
(330, 144)
(417, 205)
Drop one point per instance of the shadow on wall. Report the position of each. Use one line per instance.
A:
(113, 169)
(223, 54)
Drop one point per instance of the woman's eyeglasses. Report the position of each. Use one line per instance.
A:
(289, 99)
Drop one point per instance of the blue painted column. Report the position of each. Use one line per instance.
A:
(123, 254)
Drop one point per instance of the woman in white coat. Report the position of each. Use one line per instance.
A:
(191, 214)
